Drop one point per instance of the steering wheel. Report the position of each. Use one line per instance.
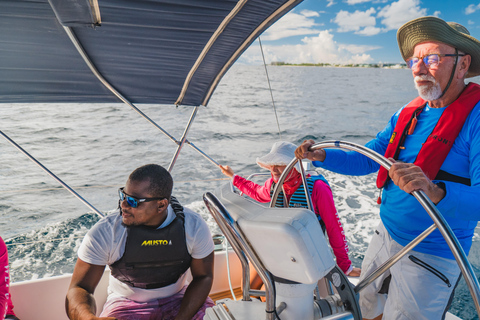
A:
(435, 215)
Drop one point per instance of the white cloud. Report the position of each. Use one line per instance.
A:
(353, 2)
(397, 13)
(472, 8)
(293, 24)
(357, 21)
(319, 46)
(392, 17)
(330, 3)
(369, 31)
(470, 22)
(309, 13)
(317, 49)
(437, 14)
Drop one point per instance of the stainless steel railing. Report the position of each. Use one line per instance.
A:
(435, 215)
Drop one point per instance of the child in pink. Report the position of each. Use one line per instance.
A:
(280, 156)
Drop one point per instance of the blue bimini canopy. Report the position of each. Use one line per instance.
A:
(150, 51)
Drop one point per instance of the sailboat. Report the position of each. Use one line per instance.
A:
(175, 52)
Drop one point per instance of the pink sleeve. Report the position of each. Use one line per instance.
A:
(5, 299)
(324, 206)
(253, 190)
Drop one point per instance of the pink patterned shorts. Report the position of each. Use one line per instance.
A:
(161, 309)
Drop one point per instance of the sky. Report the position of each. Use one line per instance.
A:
(352, 31)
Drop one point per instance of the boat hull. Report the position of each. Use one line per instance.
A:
(44, 299)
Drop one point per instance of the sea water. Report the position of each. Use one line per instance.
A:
(94, 147)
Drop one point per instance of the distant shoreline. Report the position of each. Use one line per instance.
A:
(352, 65)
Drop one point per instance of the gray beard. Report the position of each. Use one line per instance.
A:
(429, 92)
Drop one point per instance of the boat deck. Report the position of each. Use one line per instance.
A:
(227, 294)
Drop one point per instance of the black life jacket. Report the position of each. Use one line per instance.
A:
(154, 258)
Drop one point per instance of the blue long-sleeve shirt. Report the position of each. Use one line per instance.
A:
(401, 213)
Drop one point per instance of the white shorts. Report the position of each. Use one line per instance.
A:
(421, 285)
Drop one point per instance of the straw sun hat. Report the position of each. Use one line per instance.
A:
(435, 29)
(281, 154)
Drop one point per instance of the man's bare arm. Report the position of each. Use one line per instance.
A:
(198, 290)
(80, 303)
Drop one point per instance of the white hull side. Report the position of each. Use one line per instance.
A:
(44, 299)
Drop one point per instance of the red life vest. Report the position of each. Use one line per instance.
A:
(438, 144)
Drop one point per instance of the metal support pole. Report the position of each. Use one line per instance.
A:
(230, 234)
(221, 214)
(305, 185)
(279, 184)
(283, 176)
(206, 156)
(182, 140)
(99, 76)
(393, 259)
(51, 174)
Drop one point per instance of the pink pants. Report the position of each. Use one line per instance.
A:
(161, 309)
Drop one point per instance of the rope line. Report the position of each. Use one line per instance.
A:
(270, 88)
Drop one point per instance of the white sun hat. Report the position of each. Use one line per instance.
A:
(282, 154)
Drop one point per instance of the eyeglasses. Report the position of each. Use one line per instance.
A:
(132, 201)
(431, 61)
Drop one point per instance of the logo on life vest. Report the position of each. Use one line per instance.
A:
(440, 139)
(157, 243)
(392, 138)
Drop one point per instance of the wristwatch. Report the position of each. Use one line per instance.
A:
(443, 187)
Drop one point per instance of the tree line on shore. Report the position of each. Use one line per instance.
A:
(351, 65)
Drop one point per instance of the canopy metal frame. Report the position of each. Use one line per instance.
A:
(209, 66)
(78, 196)
(180, 143)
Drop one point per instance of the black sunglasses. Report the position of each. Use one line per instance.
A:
(132, 201)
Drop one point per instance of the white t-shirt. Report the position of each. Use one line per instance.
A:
(105, 243)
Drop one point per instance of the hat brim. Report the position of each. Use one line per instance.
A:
(435, 29)
(271, 160)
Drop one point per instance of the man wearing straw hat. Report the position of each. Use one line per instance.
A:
(435, 143)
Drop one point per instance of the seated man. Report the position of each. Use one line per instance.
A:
(149, 245)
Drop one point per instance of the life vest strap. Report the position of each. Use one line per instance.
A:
(445, 176)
